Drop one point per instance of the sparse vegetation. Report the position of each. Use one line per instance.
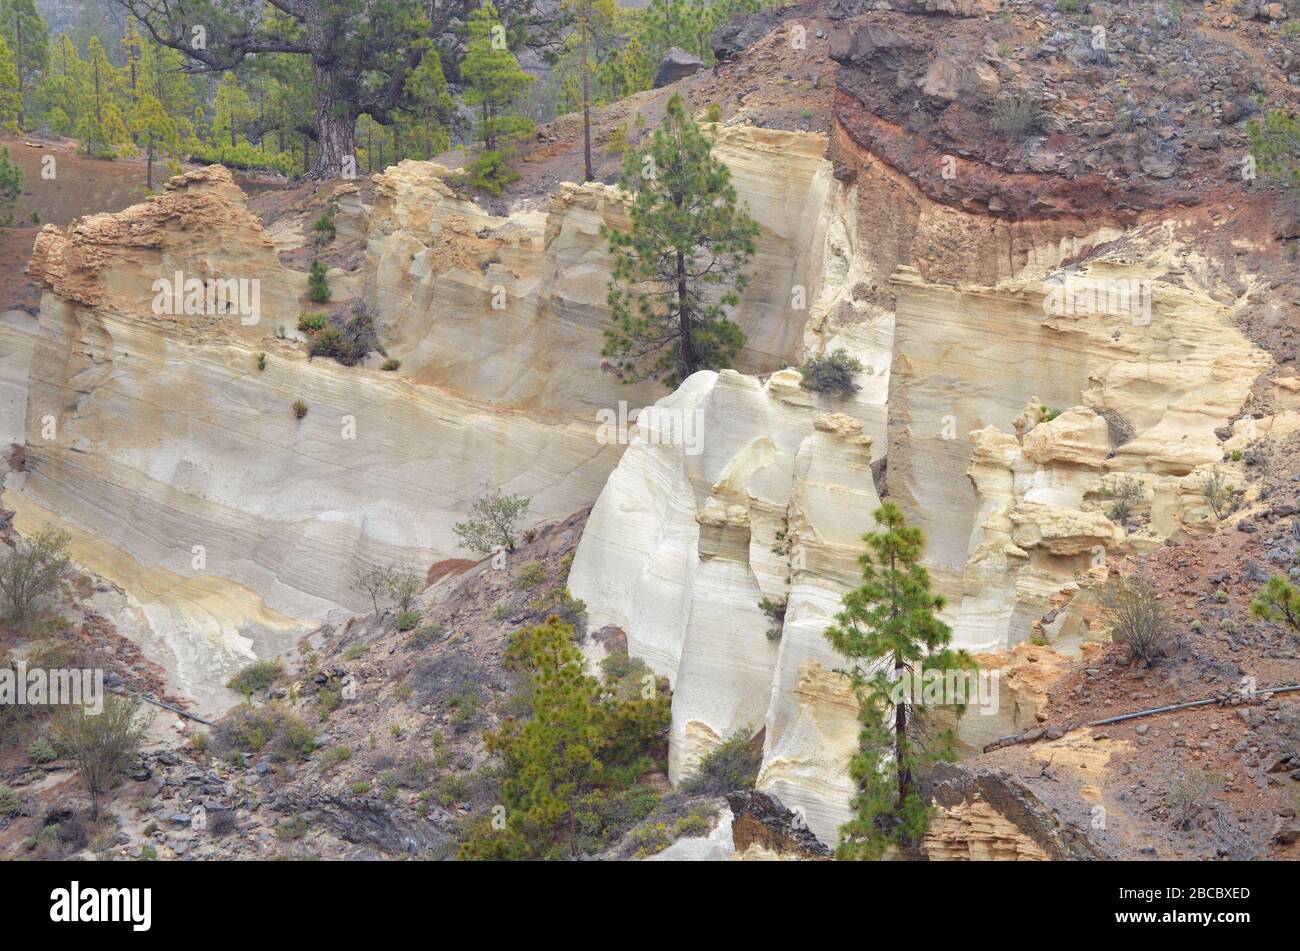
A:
(299, 409)
(273, 729)
(1137, 620)
(730, 766)
(775, 611)
(1278, 601)
(101, 746)
(1216, 491)
(318, 289)
(1118, 427)
(830, 374)
(324, 229)
(493, 523)
(1125, 493)
(391, 364)
(35, 572)
(1016, 115)
(531, 574)
(256, 677)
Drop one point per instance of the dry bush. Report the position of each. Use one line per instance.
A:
(1137, 620)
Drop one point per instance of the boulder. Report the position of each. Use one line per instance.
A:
(676, 64)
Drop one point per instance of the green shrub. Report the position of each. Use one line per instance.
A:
(775, 611)
(361, 787)
(324, 227)
(713, 113)
(334, 756)
(312, 321)
(489, 173)
(299, 409)
(1016, 115)
(42, 751)
(1275, 144)
(391, 364)
(244, 156)
(350, 344)
(407, 620)
(10, 803)
(257, 676)
(261, 362)
(830, 374)
(273, 729)
(730, 766)
(423, 637)
(293, 828)
(531, 574)
(318, 289)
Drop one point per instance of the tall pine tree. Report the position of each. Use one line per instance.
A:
(682, 263)
(888, 629)
(23, 29)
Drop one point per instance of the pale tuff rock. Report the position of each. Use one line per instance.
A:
(1009, 519)
(163, 414)
(680, 548)
(511, 310)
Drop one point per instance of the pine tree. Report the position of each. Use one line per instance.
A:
(155, 129)
(11, 186)
(590, 17)
(64, 89)
(494, 81)
(682, 263)
(430, 107)
(318, 289)
(889, 627)
(23, 29)
(580, 744)
(11, 100)
(231, 108)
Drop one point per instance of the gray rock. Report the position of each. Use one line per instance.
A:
(677, 64)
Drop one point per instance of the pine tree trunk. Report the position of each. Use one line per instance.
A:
(335, 131)
(685, 359)
(148, 178)
(900, 731)
(586, 110)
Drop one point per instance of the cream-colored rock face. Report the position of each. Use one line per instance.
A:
(1013, 502)
(170, 447)
(681, 548)
(1010, 427)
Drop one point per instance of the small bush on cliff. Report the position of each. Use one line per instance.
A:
(35, 572)
(273, 729)
(1278, 601)
(1118, 427)
(1137, 620)
(1275, 146)
(351, 343)
(830, 374)
(101, 746)
(1125, 494)
(299, 409)
(324, 229)
(310, 322)
(732, 765)
(493, 522)
(1016, 115)
(1216, 491)
(318, 289)
(256, 677)
(888, 630)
